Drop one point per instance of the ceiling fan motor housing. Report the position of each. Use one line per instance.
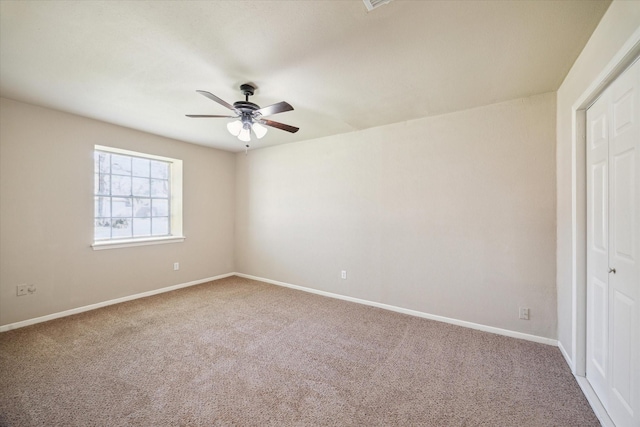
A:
(247, 111)
(246, 106)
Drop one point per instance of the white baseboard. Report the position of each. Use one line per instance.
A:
(416, 313)
(588, 392)
(566, 357)
(595, 403)
(457, 322)
(72, 311)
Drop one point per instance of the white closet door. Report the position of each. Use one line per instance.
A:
(613, 248)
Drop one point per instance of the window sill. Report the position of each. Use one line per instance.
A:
(125, 243)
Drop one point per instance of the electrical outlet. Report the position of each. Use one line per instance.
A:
(524, 313)
(31, 289)
(21, 290)
(176, 266)
(343, 274)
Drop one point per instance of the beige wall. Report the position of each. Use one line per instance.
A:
(451, 215)
(46, 209)
(617, 27)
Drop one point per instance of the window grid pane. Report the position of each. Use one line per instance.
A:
(131, 197)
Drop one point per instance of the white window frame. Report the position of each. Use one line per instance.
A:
(175, 201)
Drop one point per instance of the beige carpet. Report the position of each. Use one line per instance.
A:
(237, 352)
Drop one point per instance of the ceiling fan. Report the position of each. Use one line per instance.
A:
(249, 115)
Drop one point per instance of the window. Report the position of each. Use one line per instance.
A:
(138, 198)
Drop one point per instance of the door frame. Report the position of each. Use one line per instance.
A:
(629, 52)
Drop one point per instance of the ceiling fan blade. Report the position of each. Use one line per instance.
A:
(216, 99)
(278, 125)
(280, 107)
(199, 116)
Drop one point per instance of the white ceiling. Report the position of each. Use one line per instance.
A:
(138, 63)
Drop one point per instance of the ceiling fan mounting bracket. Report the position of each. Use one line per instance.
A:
(247, 89)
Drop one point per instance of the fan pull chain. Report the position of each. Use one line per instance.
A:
(246, 149)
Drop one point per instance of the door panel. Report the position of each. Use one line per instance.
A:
(623, 307)
(622, 208)
(599, 328)
(623, 111)
(600, 208)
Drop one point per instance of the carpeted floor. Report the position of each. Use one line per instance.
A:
(237, 352)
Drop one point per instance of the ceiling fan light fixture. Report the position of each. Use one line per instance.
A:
(234, 127)
(245, 134)
(259, 130)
